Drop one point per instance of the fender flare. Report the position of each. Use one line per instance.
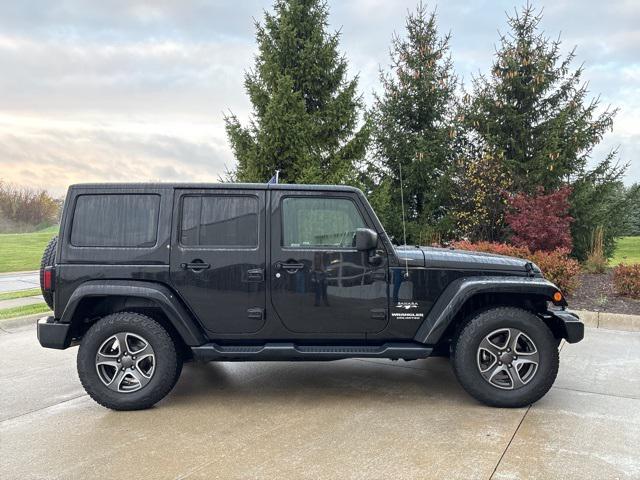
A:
(159, 294)
(459, 291)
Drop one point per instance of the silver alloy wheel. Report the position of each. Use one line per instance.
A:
(125, 362)
(507, 358)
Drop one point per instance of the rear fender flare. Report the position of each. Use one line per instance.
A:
(159, 294)
(459, 291)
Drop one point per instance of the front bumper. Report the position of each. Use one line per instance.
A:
(53, 334)
(568, 325)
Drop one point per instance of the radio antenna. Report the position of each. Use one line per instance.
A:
(404, 225)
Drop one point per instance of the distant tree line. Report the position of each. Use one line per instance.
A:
(26, 209)
(474, 161)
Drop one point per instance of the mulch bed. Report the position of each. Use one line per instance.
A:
(597, 294)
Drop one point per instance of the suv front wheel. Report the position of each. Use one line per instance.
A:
(506, 357)
(128, 361)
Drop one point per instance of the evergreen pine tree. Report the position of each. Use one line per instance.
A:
(533, 110)
(306, 111)
(412, 130)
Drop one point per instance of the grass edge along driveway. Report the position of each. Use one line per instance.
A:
(31, 309)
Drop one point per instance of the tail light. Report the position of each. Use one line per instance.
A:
(48, 279)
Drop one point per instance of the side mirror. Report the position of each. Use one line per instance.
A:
(366, 239)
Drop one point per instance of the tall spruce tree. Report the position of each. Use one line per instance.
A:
(533, 110)
(412, 131)
(306, 111)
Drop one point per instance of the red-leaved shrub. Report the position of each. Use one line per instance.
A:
(540, 221)
(626, 279)
(556, 266)
(493, 247)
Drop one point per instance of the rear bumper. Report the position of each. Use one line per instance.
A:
(53, 334)
(569, 325)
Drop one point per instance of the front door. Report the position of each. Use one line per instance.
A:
(218, 257)
(319, 282)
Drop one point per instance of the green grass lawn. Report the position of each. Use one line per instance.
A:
(24, 310)
(627, 251)
(20, 294)
(23, 251)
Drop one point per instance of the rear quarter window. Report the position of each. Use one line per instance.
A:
(115, 220)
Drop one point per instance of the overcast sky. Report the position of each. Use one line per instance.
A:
(124, 90)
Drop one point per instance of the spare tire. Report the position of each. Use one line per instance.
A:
(48, 260)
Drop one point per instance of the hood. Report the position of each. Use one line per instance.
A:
(432, 257)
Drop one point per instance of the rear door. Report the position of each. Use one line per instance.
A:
(218, 257)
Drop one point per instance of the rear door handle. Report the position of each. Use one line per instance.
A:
(196, 266)
(255, 275)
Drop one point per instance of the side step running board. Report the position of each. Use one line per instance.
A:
(292, 352)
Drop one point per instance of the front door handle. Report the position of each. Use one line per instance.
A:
(195, 266)
(289, 267)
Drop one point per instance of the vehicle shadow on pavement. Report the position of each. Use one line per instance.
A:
(325, 381)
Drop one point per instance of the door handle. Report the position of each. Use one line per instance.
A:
(289, 267)
(255, 275)
(196, 266)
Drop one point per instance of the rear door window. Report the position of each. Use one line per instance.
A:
(116, 220)
(219, 221)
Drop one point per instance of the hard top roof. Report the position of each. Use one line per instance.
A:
(246, 186)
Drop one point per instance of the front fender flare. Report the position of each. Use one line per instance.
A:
(459, 291)
(161, 295)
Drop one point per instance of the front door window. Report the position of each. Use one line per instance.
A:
(319, 222)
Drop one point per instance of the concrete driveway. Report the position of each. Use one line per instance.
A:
(348, 419)
(10, 282)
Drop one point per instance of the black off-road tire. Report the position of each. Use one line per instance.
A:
(167, 367)
(48, 260)
(465, 351)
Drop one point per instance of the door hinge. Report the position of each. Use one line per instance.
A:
(255, 313)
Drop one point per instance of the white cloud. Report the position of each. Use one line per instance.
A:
(95, 91)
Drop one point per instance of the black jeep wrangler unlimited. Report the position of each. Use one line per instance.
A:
(146, 276)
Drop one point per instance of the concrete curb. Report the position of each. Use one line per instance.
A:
(610, 321)
(9, 323)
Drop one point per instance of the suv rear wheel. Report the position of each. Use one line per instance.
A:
(128, 361)
(506, 357)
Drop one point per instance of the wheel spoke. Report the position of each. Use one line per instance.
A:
(144, 351)
(489, 375)
(514, 375)
(111, 360)
(121, 338)
(140, 378)
(505, 344)
(527, 358)
(490, 347)
(117, 379)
